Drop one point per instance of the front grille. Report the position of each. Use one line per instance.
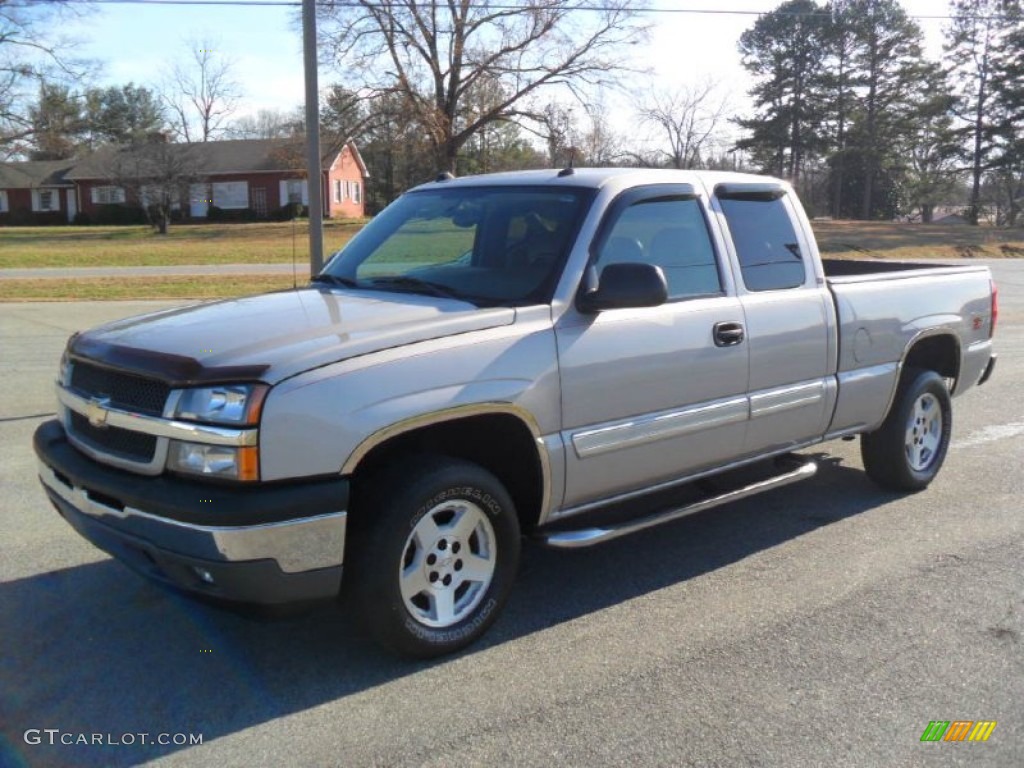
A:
(123, 443)
(126, 391)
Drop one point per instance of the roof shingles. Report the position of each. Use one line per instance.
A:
(211, 158)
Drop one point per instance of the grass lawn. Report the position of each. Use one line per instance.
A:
(256, 243)
(891, 240)
(272, 243)
(114, 288)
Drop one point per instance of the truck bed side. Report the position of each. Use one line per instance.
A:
(894, 314)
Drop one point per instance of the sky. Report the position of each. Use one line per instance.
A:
(140, 42)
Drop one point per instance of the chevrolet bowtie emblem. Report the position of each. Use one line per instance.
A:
(96, 411)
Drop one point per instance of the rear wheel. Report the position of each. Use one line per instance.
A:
(436, 558)
(907, 451)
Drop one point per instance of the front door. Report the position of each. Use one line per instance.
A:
(199, 200)
(647, 394)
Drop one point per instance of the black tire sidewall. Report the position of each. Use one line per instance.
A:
(928, 382)
(885, 455)
(377, 588)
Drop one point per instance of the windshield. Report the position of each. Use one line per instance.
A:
(487, 245)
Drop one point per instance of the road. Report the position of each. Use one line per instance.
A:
(825, 624)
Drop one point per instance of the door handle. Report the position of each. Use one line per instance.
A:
(728, 334)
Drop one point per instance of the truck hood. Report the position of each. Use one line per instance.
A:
(273, 336)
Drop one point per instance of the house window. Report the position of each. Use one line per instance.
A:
(356, 192)
(295, 190)
(45, 200)
(107, 195)
(231, 194)
(3, 201)
(339, 193)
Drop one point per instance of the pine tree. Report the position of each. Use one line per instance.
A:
(973, 41)
(784, 50)
(840, 82)
(1007, 117)
(894, 72)
(57, 123)
(930, 150)
(121, 115)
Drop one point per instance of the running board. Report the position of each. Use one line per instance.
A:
(586, 537)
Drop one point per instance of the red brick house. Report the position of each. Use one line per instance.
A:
(253, 176)
(37, 192)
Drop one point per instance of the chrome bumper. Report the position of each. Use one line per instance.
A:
(295, 545)
(270, 544)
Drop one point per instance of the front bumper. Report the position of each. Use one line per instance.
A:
(260, 544)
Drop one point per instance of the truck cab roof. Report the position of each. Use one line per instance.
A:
(594, 178)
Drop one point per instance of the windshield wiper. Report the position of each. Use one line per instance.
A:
(416, 285)
(323, 277)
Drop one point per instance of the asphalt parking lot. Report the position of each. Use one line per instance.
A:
(824, 624)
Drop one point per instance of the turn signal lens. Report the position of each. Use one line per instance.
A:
(214, 460)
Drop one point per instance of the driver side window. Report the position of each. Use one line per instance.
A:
(669, 232)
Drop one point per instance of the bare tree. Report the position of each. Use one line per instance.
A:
(201, 93)
(32, 53)
(266, 124)
(687, 118)
(156, 174)
(601, 145)
(561, 133)
(435, 52)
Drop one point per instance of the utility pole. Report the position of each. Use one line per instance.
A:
(314, 181)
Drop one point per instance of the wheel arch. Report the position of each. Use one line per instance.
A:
(936, 349)
(501, 437)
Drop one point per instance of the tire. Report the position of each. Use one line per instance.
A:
(907, 451)
(434, 555)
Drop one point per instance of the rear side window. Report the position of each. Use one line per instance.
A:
(669, 232)
(766, 243)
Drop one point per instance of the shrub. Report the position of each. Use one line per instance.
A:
(118, 213)
(230, 214)
(26, 217)
(290, 211)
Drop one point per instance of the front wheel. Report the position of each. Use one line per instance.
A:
(437, 556)
(907, 451)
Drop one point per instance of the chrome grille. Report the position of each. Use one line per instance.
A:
(123, 443)
(126, 391)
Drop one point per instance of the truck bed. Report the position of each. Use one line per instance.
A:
(883, 307)
(856, 270)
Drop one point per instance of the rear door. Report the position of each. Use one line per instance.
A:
(788, 312)
(647, 394)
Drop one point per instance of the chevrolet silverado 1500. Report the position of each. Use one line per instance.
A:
(554, 353)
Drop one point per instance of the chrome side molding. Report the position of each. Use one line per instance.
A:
(586, 537)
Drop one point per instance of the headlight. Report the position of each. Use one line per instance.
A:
(224, 404)
(64, 373)
(214, 460)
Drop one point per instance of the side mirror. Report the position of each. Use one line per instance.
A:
(626, 285)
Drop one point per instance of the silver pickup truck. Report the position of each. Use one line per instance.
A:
(561, 354)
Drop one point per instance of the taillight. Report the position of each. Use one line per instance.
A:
(995, 309)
